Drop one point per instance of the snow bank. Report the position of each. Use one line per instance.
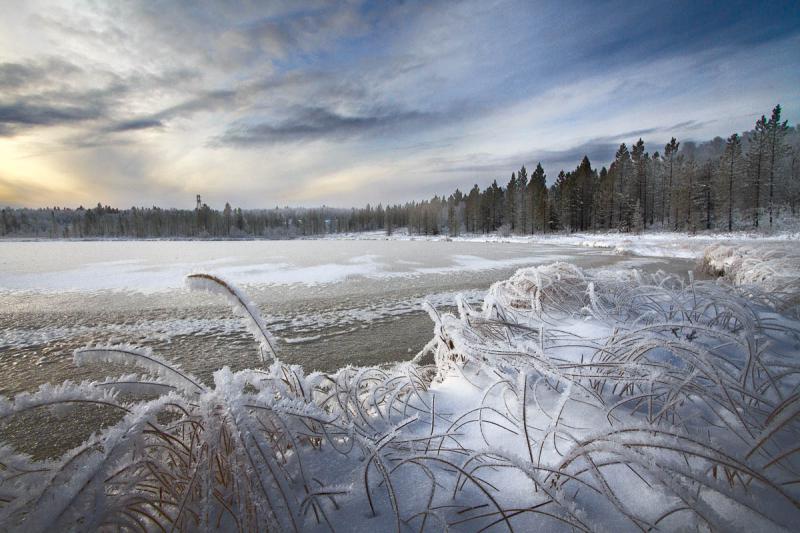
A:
(569, 400)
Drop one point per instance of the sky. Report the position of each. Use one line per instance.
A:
(342, 103)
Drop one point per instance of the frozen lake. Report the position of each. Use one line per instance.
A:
(329, 302)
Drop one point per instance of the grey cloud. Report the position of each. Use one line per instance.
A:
(273, 30)
(17, 76)
(104, 136)
(279, 36)
(224, 37)
(689, 125)
(488, 166)
(135, 124)
(36, 96)
(599, 153)
(635, 134)
(625, 136)
(313, 123)
(206, 101)
(13, 75)
(20, 113)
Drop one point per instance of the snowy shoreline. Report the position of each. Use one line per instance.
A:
(652, 244)
(649, 244)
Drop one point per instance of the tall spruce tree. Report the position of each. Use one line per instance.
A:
(670, 154)
(584, 178)
(730, 169)
(521, 211)
(776, 131)
(705, 194)
(603, 199)
(639, 183)
(656, 176)
(755, 158)
(621, 184)
(538, 188)
(510, 207)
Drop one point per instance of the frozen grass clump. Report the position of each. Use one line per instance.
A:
(770, 273)
(572, 400)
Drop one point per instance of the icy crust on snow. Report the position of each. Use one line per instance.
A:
(569, 400)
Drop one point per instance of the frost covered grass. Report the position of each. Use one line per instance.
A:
(570, 400)
(769, 272)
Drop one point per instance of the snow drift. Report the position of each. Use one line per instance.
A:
(570, 400)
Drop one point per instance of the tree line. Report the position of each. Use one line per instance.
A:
(200, 223)
(746, 181)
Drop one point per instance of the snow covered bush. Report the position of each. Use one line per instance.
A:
(572, 400)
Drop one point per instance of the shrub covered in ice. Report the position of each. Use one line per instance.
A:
(573, 400)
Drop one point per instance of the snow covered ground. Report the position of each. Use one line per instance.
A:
(570, 399)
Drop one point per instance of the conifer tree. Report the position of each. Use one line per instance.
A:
(584, 178)
(730, 167)
(755, 157)
(621, 182)
(670, 154)
(638, 225)
(521, 208)
(656, 176)
(227, 215)
(776, 131)
(603, 199)
(510, 207)
(704, 194)
(538, 188)
(639, 183)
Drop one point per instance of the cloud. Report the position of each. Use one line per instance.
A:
(630, 136)
(20, 113)
(255, 101)
(21, 75)
(134, 125)
(307, 31)
(500, 167)
(202, 101)
(312, 123)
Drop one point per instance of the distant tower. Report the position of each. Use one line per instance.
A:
(199, 203)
